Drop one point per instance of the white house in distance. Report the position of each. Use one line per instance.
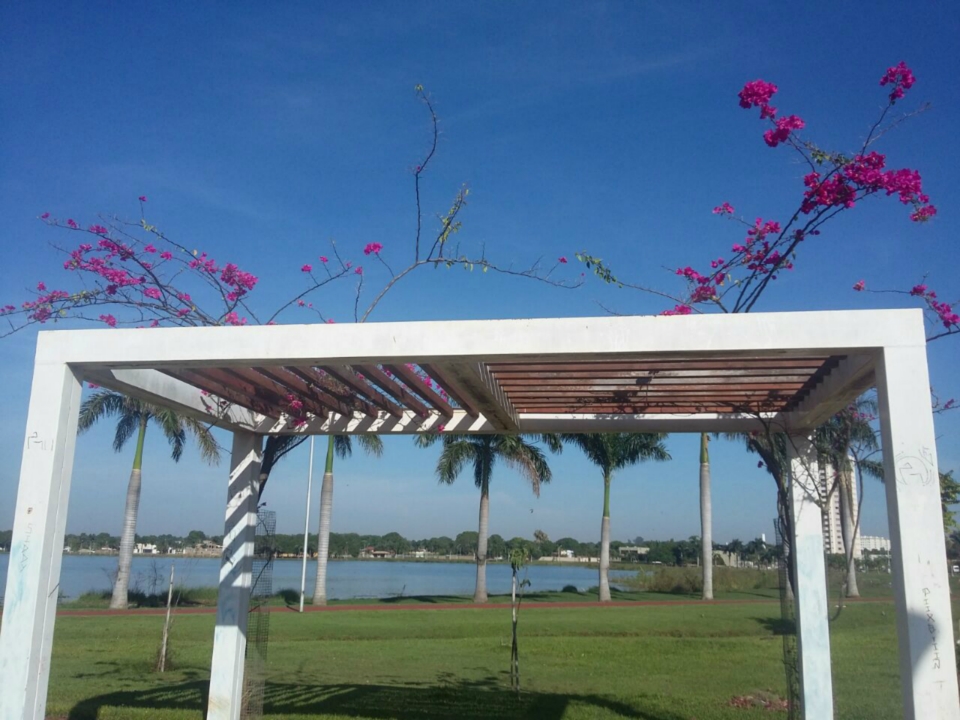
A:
(145, 549)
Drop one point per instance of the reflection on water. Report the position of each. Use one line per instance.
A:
(345, 578)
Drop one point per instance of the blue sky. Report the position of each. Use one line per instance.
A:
(259, 133)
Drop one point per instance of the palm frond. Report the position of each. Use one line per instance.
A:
(206, 442)
(528, 459)
(171, 425)
(371, 444)
(457, 452)
(343, 446)
(872, 468)
(127, 425)
(104, 403)
(275, 448)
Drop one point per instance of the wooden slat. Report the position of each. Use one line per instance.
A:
(815, 380)
(644, 378)
(806, 363)
(417, 385)
(452, 389)
(641, 410)
(511, 379)
(264, 387)
(649, 387)
(347, 376)
(225, 392)
(376, 376)
(544, 402)
(305, 386)
(667, 389)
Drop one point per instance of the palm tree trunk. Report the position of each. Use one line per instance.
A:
(128, 536)
(848, 528)
(323, 537)
(605, 542)
(706, 519)
(480, 594)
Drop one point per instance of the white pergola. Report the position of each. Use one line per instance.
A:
(786, 371)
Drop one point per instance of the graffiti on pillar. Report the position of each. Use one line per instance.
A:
(931, 628)
(915, 469)
(35, 442)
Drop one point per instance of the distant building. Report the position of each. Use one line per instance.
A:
(832, 523)
(372, 552)
(633, 553)
(145, 549)
(875, 543)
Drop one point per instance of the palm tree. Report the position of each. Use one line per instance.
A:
(848, 429)
(611, 452)
(342, 446)
(133, 416)
(706, 519)
(483, 451)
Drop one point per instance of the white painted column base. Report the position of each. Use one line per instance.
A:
(233, 599)
(40, 518)
(813, 629)
(928, 671)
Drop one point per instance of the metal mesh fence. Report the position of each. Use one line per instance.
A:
(788, 623)
(258, 620)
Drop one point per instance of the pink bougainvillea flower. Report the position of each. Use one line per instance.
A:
(153, 293)
(757, 93)
(98, 229)
(373, 248)
(45, 216)
(859, 285)
(143, 198)
(300, 303)
(41, 286)
(93, 386)
(324, 259)
(109, 320)
(562, 260)
(72, 223)
(924, 213)
(918, 290)
(358, 271)
(307, 268)
(902, 79)
(166, 255)
(149, 249)
(725, 209)
(330, 321)
(784, 126)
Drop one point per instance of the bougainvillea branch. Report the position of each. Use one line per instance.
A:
(836, 182)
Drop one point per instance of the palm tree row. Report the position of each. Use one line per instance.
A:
(133, 418)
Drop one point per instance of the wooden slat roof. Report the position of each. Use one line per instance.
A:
(673, 385)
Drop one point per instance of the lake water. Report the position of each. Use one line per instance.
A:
(345, 578)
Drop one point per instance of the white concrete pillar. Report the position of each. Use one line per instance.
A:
(928, 673)
(39, 522)
(810, 593)
(233, 599)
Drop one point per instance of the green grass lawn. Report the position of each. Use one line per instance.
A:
(649, 662)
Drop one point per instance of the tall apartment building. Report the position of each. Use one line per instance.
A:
(832, 527)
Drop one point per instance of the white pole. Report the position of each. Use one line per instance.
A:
(306, 526)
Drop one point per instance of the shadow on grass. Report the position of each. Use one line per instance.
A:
(429, 599)
(448, 697)
(777, 626)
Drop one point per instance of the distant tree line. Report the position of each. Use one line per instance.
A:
(350, 545)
